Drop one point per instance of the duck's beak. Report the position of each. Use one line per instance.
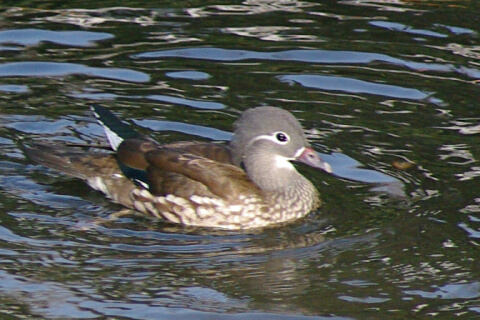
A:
(310, 157)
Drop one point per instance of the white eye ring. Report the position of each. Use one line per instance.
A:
(281, 137)
(278, 137)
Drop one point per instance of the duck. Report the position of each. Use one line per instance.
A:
(249, 183)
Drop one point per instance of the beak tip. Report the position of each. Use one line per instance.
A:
(327, 167)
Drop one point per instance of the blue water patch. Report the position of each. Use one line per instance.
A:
(406, 29)
(472, 232)
(197, 104)
(364, 300)
(188, 102)
(96, 96)
(308, 56)
(38, 125)
(333, 83)
(13, 88)
(9, 48)
(349, 168)
(190, 75)
(201, 131)
(469, 290)
(455, 30)
(58, 69)
(32, 37)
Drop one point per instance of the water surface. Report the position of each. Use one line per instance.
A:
(387, 92)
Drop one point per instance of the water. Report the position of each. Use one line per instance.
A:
(387, 91)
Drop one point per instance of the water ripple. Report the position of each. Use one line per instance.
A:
(407, 29)
(187, 102)
(33, 37)
(450, 291)
(59, 69)
(309, 56)
(332, 83)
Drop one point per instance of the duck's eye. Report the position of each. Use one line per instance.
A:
(282, 137)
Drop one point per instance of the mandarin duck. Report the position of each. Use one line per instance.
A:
(250, 183)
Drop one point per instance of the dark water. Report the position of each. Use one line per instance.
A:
(387, 90)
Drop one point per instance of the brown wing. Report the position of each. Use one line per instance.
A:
(163, 182)
(131, 152)
(220, 179)
(131, 158)
(213, 151)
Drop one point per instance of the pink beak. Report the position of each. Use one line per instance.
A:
(310, 157)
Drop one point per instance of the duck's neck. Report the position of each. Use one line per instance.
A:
(288, 193)
(273, 173)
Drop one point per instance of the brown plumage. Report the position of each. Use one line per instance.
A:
(248, 184)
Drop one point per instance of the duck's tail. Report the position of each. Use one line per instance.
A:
(99, 170)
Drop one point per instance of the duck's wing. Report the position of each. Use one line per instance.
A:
(222, 180)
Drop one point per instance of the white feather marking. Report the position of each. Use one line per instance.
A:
(170, 216)
(139, 206)
(235, 208)
(180, 202)
(143, 184)
(113, 138)
(299, 152)
(156, 213)
(187, 213)
(177, 210)
(197, 199)
(160, 200)
(203, 212)
(97, 183)
(149, 206)
(216, 202)
(170, 197)
(271, 137)
(144, 193)
(283, 162)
